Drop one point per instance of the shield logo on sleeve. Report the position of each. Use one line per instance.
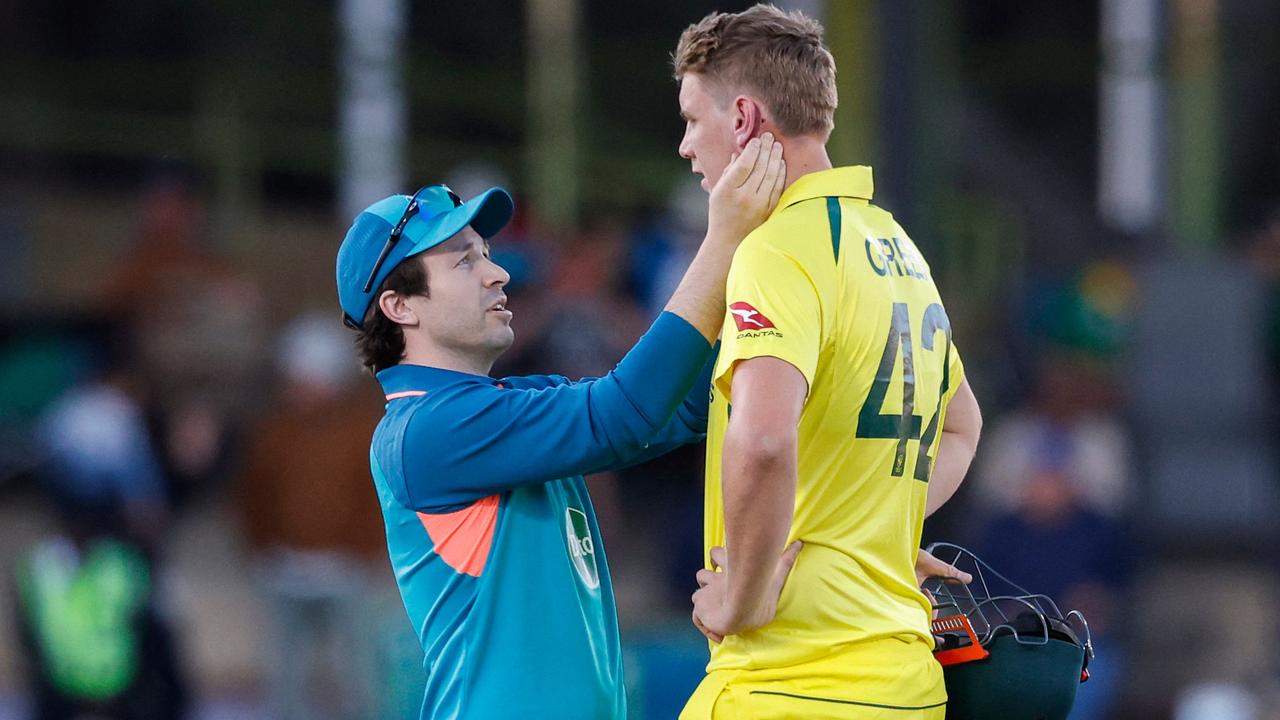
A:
(582, 550)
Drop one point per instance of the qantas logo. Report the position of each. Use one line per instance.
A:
(748, 318)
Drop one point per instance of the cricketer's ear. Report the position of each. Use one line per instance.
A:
(397, 308)
(748, 120)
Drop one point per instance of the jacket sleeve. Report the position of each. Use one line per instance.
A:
(474, 440)
(689, 425)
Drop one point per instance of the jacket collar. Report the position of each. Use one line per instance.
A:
(406, 380)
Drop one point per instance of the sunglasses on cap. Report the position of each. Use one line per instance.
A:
(398, 230)
(412, 209)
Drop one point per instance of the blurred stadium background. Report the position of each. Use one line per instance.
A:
(1096, 184)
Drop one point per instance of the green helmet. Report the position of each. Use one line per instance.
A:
(1006, 653)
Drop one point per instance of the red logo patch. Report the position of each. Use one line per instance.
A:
(748, 318)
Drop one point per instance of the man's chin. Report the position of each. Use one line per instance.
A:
(500, 341)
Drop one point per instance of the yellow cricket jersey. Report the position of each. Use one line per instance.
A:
(833, 285)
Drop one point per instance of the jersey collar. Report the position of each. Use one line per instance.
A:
(405, 379)
(850, 181)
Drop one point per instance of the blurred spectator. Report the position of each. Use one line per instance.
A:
(170, 251)
(87, 610)
(1056, 544)
(196, 329)
(661, 248)
(1071, 416)
(314, 525)
(1069, 420)
(592, 322)
(100, 464)
(1053, 543)
(94, 644)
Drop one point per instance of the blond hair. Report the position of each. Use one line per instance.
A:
(776, 55)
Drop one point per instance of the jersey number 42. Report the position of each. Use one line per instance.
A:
(905, 427)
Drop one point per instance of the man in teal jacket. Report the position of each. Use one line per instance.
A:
(490, 528)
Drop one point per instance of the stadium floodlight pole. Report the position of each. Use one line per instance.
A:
(374, 108)
(1129, 147)
(553, 91)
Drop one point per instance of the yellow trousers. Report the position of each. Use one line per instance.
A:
(849, 685)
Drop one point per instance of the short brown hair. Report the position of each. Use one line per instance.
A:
(777, 55)
(381, 341)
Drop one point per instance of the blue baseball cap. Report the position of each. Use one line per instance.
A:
(402, 226)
